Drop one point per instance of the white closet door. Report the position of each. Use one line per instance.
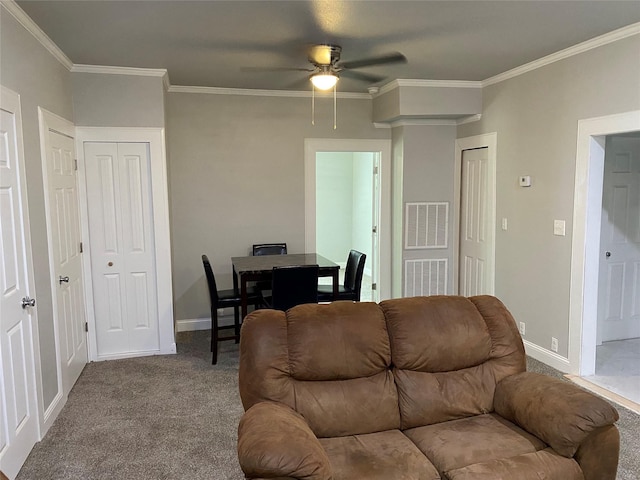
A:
(122, 248)
(475, 234)
(18, 415)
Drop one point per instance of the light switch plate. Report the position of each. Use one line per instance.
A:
(559, 227)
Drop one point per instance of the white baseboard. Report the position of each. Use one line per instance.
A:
(547, 356)
(51, 413)
(191, 324)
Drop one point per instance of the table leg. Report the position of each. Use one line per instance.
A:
(243, 296)
(336, 283)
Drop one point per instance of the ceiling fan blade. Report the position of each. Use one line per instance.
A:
(396, 57)
(276, 69)
(365, 77)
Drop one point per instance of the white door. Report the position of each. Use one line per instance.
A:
(619, 282)
(122, 248)
(18, 414)
(62, 188)
(475, 234)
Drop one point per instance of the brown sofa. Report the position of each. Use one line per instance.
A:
(413, 388)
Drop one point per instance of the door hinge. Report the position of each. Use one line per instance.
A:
(374, 286)
(75, 164)
(375, 170)
(374, 229)
(81, 249)
(86, 327)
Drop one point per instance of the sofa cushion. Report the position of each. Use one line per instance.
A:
(529, 466)
(449, 352)
(431, 334)
(377, 456)
(337, 341)
(349, 407)
(459, 443)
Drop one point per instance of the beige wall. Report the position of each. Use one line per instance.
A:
(536, 116)
(27, 68)
(428, 163)
(107, 100)
(236, 171)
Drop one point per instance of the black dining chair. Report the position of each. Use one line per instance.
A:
(291, 286)
(223, 299)
(270, 249)
(350, 290)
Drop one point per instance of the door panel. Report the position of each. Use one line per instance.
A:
(474, 247)
(122, 247)
(619, 287)
(67, 260)
(18, 415)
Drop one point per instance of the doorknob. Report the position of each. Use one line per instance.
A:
(28, 302)
(607, 254)
(63, 280)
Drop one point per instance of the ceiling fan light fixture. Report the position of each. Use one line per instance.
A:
(324, 81)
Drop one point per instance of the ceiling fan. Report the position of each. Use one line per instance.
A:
(327, 67)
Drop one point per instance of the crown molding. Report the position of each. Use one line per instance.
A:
(263, 93)
(596, 42)
(25, 20)
(140, 72)
(469, 119)
(403, 82)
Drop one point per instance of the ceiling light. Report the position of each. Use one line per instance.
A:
(324, 81)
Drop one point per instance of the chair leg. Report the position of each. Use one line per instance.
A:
(214, 336)
(236, 324)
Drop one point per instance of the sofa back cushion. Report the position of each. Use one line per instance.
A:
(448, 354)
(330, 363)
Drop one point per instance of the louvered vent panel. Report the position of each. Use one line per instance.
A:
(425, 277)
(427, 225)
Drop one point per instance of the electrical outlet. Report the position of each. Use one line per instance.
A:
(554, 344)
(522, 328)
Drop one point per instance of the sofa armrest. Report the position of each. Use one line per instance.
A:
(274, 441)
(561, 414)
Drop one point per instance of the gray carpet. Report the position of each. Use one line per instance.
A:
(175, 417)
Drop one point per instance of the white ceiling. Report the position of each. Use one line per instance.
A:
(210, 43)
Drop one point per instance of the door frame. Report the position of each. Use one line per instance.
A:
(490, 141)
(585, 244)
(50, 121)
(155, 138)
(315, 145)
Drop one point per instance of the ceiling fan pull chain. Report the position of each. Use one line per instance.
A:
(313, 105)
(335, 116)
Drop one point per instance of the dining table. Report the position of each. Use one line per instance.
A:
(258, 268)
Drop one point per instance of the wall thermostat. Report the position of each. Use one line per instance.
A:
(525, 180)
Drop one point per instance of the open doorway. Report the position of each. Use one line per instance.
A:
(585, 332)
(349, 206)
(346, 210)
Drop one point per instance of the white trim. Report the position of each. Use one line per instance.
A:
(265, 93)
(596, 42)
(546, 356)
(50, 121)
(193, 324)
(108, 70)
(313, 145)
(140, 353)
(159, 192)
(469, 119)
(25, 20)
(489, 140)
(52, 412)
(585, 245)
(400, 82)
(409, 122)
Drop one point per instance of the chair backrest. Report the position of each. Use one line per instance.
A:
(211, 282)
(270, 249)
(354, 271)
(294, 285)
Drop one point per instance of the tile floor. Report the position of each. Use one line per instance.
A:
(618, 368)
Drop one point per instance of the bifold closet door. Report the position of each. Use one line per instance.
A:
(122, 248)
